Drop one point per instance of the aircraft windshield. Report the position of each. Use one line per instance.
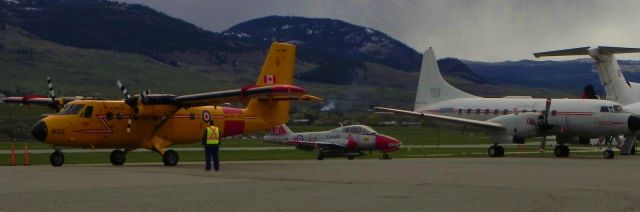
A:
(363, 130)
(617, 109)
(71, 109)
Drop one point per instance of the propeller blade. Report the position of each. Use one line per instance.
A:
(124, 90)
(52, 93)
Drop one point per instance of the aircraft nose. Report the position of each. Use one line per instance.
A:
(387, 143)
(39, 131)
(634, 123)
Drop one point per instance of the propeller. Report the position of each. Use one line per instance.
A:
(55, 106)
(131, 101)
(544, 125)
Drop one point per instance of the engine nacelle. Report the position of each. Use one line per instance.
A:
(519, 125)
(154, 111)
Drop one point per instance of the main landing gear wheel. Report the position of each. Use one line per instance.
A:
(495, 151)
(608, 154)
(57, 158)
(320, 156)
(351, 157)
(385, 156)
(118, 157)
(561, 151)
(170, 158)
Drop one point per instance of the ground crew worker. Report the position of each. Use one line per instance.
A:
(211, 142)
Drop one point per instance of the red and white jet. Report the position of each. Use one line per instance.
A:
(347, 141)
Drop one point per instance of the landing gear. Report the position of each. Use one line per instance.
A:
(118, 157)
(633, 150)
(320, 156)
(170, 158)
(608, 154)
(385, 156)
(495, 151)
(57, 158)
(561, 151)
(351, 157)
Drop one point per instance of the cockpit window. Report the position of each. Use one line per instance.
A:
(71, 109)
(360, 130)
(88, 111)
(617, 109)
(604, 109)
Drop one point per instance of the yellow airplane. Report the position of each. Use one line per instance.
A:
(157, 121)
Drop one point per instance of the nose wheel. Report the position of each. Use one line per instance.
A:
(57, 158)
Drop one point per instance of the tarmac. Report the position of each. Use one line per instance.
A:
(435, 184)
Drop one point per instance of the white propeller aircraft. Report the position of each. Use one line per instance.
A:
(513, 119)
(616, 87)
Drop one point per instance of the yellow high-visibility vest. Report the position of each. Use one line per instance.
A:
(213, 135)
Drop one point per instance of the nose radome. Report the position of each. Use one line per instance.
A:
(386, 142)
(634, 123)
(39, 131)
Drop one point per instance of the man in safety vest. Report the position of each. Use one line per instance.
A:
(211, 142)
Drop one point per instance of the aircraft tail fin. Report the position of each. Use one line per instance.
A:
(432, 87)
(277, 70)
(280, 130)
(617, 88)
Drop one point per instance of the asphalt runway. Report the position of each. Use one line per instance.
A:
(440, 184)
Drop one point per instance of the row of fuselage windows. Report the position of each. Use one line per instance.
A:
(498, 112)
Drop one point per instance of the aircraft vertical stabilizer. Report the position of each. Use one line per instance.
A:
(432, 87)
(276, 70)
(617, 88)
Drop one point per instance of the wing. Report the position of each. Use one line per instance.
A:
(40, 100)
(267, 93)
(315, 144)
(484, 125)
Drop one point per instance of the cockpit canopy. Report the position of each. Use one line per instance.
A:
(71, 109)
(611, 109)
(359, 129)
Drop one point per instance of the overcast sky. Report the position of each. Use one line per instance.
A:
(484, 30)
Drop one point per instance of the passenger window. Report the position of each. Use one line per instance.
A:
(505, 112)
(88, 111)
(553, 113)
(459, 111)
(469, 111)
(535, 111)
(477, 111)
(496, 112)
(524, 111)
(487, 111)
(604, 109)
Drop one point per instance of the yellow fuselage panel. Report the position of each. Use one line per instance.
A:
(108, 123)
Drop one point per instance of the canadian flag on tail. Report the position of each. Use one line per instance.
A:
(269, 79)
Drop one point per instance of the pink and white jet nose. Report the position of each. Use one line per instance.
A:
(387, 143)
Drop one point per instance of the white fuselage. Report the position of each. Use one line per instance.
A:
(364, 142)
(575, 117)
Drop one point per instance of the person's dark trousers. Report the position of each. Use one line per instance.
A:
(208, 155)
(216, 157)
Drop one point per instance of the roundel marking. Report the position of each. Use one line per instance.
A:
(299, 138)
(206, 116)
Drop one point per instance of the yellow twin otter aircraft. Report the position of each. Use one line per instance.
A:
(157, 121)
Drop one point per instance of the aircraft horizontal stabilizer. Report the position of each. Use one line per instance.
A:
(588, 51)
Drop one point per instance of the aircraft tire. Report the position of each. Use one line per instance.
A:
(320, 156)
(57, 158)
(351, 157)
(495, 151)
(565, 151)
(608, 154)
(117, 157)
(170, 158)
